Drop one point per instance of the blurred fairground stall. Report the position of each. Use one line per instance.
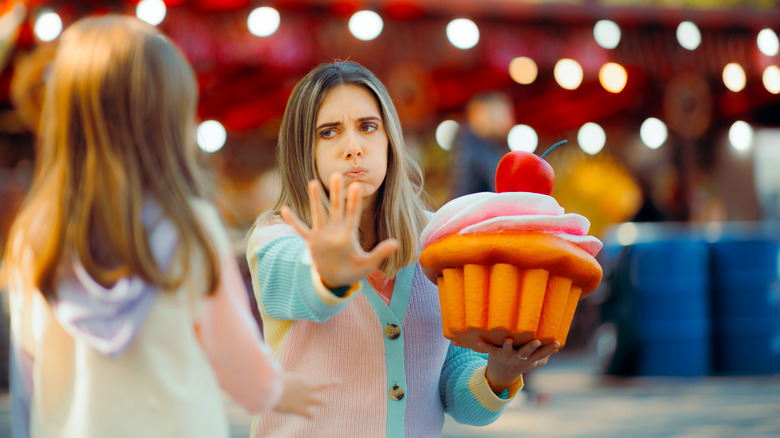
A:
(674, 101)
(670, 107)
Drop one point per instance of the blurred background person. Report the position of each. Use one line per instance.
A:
(482, 142)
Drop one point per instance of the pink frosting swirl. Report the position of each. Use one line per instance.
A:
(525, 212)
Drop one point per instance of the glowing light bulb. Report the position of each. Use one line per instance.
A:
(767, 42)
(446, 133)
(741, 136)
(613, 77)
(211, 136)
(263, 21)
(463, 33)
(366, 25)
(591, 138)
(151, 11)
(48, 26)
(568, 73)
(771, 79)
(523, 70)
(734, 77)
(688, 35)
(607, 34)
(653, 133)
(522, 138)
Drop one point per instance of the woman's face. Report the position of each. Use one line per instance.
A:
(351, 140)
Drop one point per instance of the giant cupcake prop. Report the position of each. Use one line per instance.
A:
(510, 264)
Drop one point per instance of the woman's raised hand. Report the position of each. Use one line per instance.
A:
(333, 239)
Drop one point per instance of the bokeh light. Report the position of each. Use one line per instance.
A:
(151, 11)
(522, 138)
(613, 77)
(366, 25)
(741, 136)
(653, 133)
(211, 136)
(607, 34)
(591, 138)
(734, 77)
(771, 79)
(568, 73)
(463, 33)
(48, 26)
(263, 21)
(627, 233)
(523, 70)
(767, 42)
(446, 133)
(688, 35)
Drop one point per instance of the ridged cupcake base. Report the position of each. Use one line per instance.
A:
(491, 303)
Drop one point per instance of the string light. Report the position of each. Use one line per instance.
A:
(463, 33)
(151, 11)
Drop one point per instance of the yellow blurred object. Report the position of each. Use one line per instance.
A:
(597, 187)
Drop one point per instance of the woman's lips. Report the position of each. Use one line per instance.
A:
(356, 173)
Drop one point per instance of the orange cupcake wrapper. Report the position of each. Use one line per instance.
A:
(492, 302)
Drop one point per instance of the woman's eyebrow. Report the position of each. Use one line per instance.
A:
(369, 119)
(328, 125)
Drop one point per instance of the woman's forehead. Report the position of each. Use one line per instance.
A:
(347, 102)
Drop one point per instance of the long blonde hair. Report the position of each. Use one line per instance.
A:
(400, 210)
(117, 129)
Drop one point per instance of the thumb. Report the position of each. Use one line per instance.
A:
(382, 251)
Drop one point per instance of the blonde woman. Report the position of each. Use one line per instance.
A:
(129, 315)
(335, 272)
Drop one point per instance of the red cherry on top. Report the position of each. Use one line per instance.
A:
(520, 171)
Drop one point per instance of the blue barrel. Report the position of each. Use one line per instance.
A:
(670, 279)
(746, 305)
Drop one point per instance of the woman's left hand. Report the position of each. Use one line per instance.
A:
(506, 365)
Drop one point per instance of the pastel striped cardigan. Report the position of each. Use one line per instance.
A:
(314, 332)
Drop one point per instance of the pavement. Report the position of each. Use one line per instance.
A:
(585, 404)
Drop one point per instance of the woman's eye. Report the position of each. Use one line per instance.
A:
(328, 133)
(368, 128)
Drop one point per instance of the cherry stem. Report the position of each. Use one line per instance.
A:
(547, 152)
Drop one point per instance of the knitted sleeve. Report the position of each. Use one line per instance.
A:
(464, 390)
(286, 284)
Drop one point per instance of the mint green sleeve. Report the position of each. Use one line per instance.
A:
(465, 393)
(289, 287)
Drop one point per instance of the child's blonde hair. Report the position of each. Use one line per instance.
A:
(117, 128)
(400, 211)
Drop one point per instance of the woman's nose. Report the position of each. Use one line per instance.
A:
(353, 148)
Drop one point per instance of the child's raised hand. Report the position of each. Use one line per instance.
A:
(505, 364)
(300, 393)
(333, 239)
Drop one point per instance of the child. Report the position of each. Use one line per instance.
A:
(128, 311)
(339, 287)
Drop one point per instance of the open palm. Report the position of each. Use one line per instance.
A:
(333, 238)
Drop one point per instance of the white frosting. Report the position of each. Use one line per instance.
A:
(525, 212)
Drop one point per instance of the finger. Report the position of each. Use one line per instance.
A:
(321, 385)
(381, 251)
(304, 412)
(336, 201)
(508, 344)
(318, 213)
(292, 219)
(486, 347)
(528, 349)
(546, 351)
(316, 401)
(354, 205)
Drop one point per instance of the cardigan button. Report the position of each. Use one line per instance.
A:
(392, 331)
(396, 393)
